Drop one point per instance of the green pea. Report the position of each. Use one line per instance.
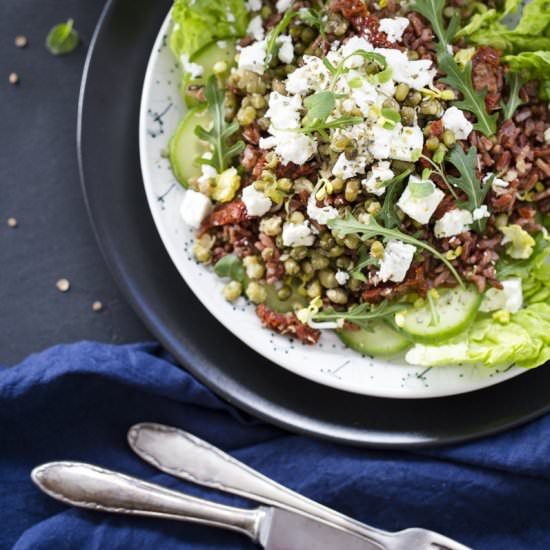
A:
(413, 99)
(299, 253)
(344, 262)
(352, 241)
(335, 251)
(307, 36)
(232, 291)
(327, 278)
(246, 115)
(431, 107)
(292, 267)
(297, 217)
(319, 262)
(407, 116)
(352, 190)
(432, 143)
(337, 296)
(284, 293)
(284, 184)
(314, 289)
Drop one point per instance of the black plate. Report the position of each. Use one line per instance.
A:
(111, 179)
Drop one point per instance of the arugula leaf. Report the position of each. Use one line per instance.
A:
(365, 259)
(515, 82)
(473, 101)
(218, 136)
(313, 18)
(321, 126)
(320, 105)
(432, 10)
(475, 190)
(361, 314)
(391, 118)
(231, 266)
(373, 229)
(279, 29)
(388, 212)
(62, 39)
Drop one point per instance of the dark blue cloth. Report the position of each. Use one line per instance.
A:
(77, 403)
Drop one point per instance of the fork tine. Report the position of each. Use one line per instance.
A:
(441, 542)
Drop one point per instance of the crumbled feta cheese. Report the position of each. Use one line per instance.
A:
(498, 185)
(254, 5)
(283, 5)
(257, 204)
(365, 97)
(420, 209)
(194, 208)
(346, 169)
(290, 146)
(286, 49)
(342, 277)
(453, 223)
(352, 45)
(407, 143)
(379, 173)
(454, 120)
(207, 173)
(256, 28)
(509, 298)
(322, 215)
(417, 74)
(284, 110)
(480, 213)
(394, 27)
(381, 143)
(547, 135)
(401, 143)
(252, 58)
(450, 49)
(193, 69)
(313, 75)
(397, 259)
(297, 234)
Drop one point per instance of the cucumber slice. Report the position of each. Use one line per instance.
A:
(456, 308)
(185, 146)
(210, 54)
(286, 306)
(381, 341)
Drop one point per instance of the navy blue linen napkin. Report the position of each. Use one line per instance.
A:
(77, 402)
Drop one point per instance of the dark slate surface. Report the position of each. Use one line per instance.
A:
(39, 186)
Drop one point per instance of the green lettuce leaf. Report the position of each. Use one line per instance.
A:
(488, 27)
(524, 341)
(197, 23)
(533, 66)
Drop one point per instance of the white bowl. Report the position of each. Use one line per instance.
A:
(329, 362)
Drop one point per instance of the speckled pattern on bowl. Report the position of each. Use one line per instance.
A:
(329, 362)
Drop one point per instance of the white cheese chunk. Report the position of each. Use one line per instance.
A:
(547, 135)
(254, 5)
(207, 173)
(284, 111)
(342, 277)
(297, 234)
(352, 45)
(453, 223)
(407, 143)
(480, 213)
(509, 298)
(313, 75)
(290, 146)
(283, 5)
(380, 172)
(394, 27)
(257, 204)
(420, 209)
(417, 74)
(499, 185)
(193, 69)
(454, 120)
(380, 147)
(194, 208)
(286, 49)
(256, 28)
(346, 169)
(252, 58)
(322, 215)
(398, 257)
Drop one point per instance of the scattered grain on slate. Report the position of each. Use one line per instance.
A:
(14, 78)
(21, 41)
(12, 222)
(97, 306)
(63, 285)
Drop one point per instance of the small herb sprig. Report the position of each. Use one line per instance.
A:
(515, 82)
(360, 314)
(373, 230)
(62, 39)
(475, 190)
(218, 136)
(313, 18)
(461, 80)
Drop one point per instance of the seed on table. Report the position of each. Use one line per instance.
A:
(63, 285)
(12, 222)
(14, 78)
(97, 306)
(21, 41)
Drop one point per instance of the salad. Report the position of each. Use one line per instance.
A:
(380, 169)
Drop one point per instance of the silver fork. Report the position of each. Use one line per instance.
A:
(187, 457)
